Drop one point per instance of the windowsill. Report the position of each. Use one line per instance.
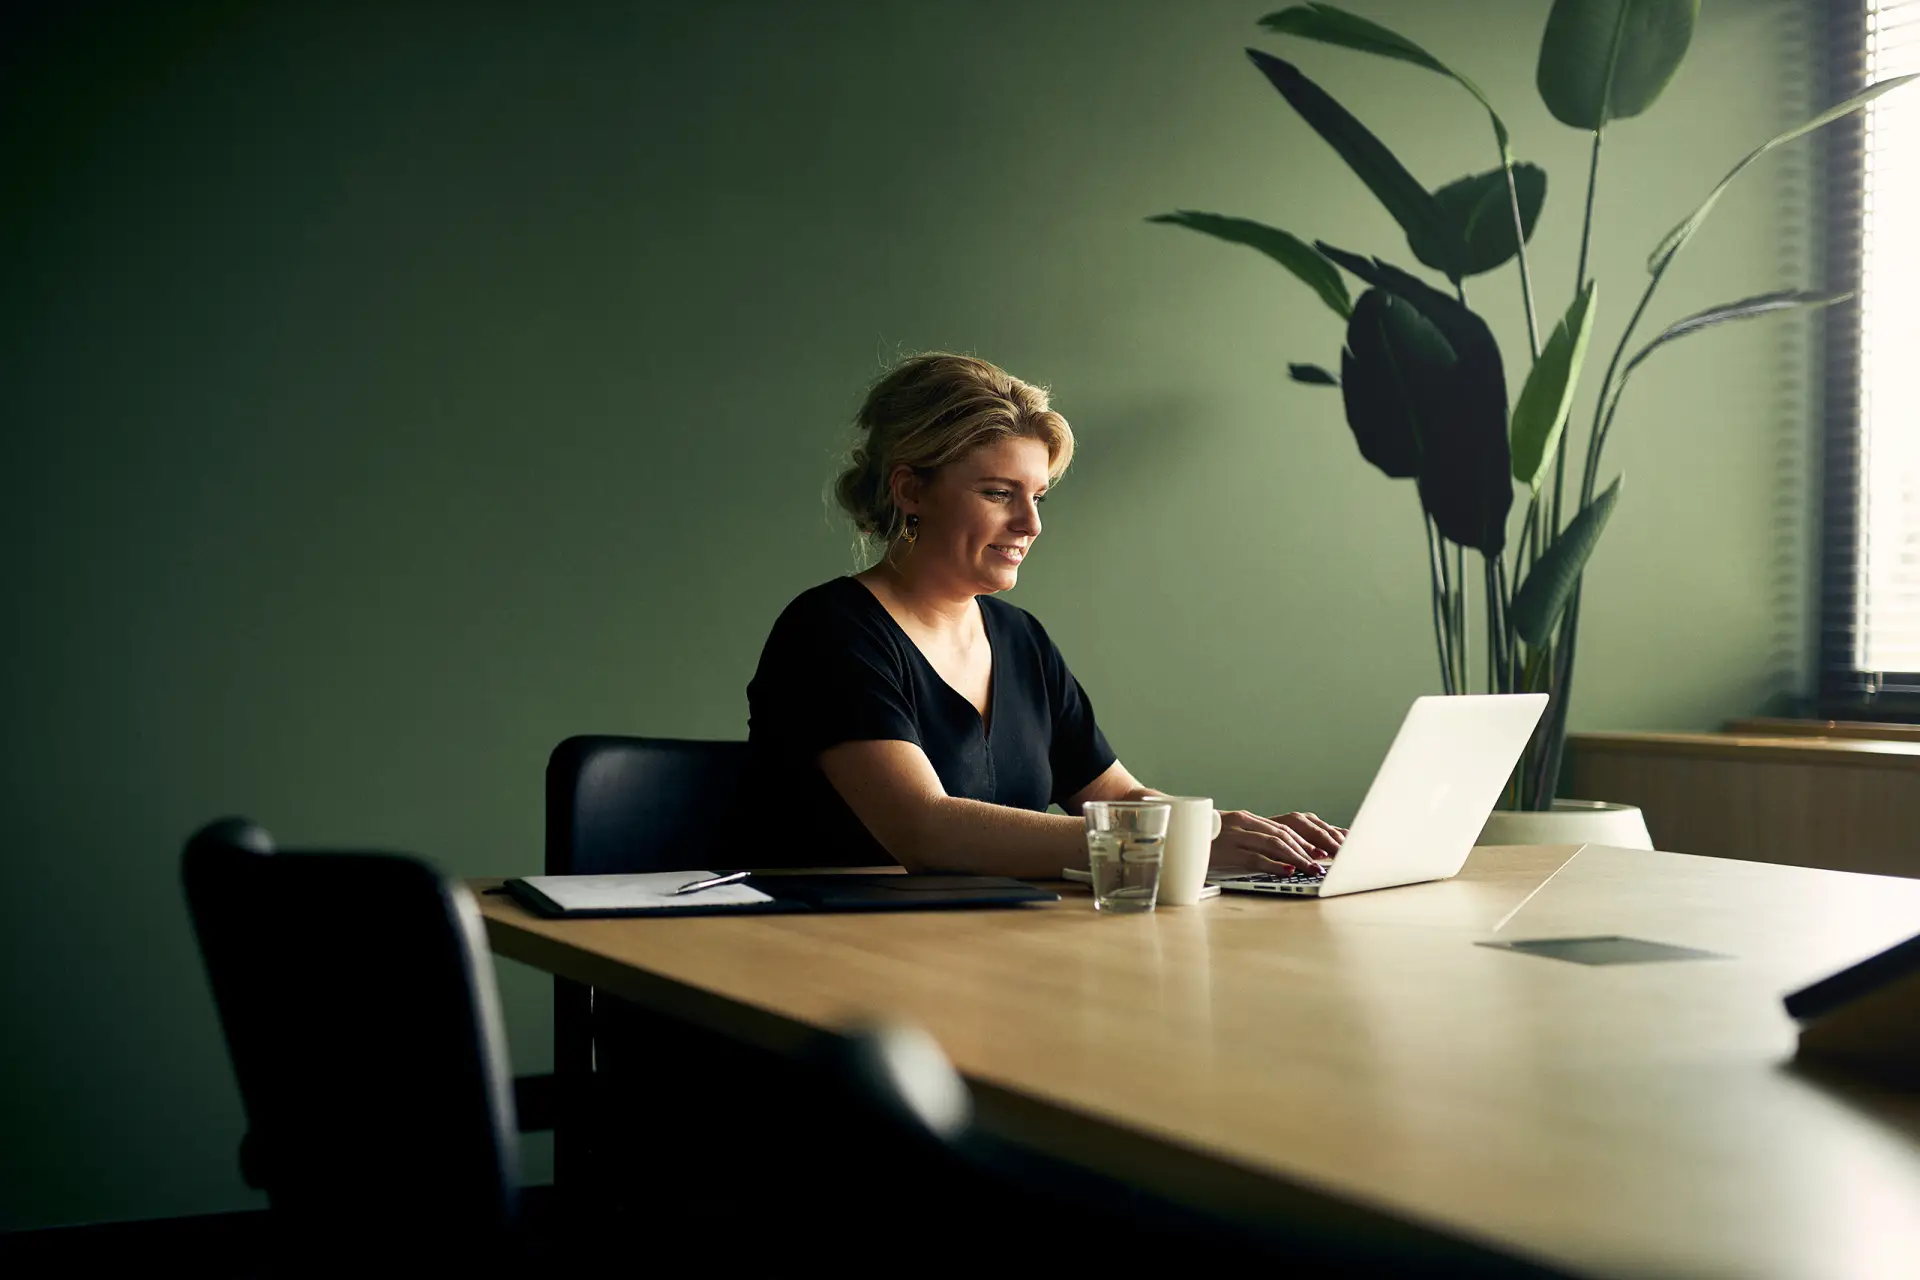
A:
(1879, 731)
(1759, 748)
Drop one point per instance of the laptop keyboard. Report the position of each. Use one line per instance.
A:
(1269, 877)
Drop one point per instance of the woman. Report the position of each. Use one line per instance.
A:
(906, 714)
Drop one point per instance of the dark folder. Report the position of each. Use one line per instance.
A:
(826, 893)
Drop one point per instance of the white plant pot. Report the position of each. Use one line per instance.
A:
(1570, 822)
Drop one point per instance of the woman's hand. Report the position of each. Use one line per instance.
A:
(1325, 838)
(1291, 841)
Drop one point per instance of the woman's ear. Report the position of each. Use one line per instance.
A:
(907, 488)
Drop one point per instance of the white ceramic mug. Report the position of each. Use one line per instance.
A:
(1189, 848)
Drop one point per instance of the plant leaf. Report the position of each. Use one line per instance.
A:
(1459, 325)
(1676, 239)
(1417, 212)
(1465, 480)
(1294, 254)
(1538, 603)
(1312, 374)
(1395, 371)
(1745, 309)
(1540, 414)
(1335, 26)
(1604, 60)
(1480, 211)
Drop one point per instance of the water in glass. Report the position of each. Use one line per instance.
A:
(1126, 869)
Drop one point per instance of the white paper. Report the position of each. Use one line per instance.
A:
(650, 891)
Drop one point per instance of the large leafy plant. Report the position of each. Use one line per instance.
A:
(1421, 376)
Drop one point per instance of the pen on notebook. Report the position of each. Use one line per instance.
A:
(709, 883)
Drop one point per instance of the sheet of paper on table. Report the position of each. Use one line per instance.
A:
(640, 892)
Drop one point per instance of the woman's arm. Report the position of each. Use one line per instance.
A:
(1114, 784)
(892, 788)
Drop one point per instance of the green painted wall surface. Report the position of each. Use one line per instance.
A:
(390, 391)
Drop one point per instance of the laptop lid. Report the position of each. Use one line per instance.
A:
(1440, 779)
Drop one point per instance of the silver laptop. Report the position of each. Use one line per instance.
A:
(1440, 780)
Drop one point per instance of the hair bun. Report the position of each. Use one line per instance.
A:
(857, 490)
(927, 411)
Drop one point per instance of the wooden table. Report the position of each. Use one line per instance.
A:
(1363, 1054)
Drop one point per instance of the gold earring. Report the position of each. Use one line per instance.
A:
(911, 533)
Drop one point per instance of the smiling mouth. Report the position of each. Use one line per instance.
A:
(1015, 554)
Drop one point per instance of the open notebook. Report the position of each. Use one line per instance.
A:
(651, 891)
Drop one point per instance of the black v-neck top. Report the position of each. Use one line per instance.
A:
(837, 668)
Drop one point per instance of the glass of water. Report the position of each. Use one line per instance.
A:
(1125, 840)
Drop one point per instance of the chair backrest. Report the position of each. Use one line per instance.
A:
(619, 804)
(360, 1011)
(889, 1099)
(622, 804)
(900, 1078)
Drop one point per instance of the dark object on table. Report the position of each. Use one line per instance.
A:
(1866, 1017)
(1606, 949)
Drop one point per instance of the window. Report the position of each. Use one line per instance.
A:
(1870, 650)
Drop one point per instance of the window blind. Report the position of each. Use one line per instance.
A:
(1888, 636)
(1871, 529)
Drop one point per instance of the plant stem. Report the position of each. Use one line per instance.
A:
(1436, 568)
(1600, 434)
(1509, 642)
(1600, 128)
(1586, 225)
(1460, 638)
(1520, 239)
(1529, 540)
(1446, 605)
(1500, 611)
(1555, 741)
(1602, 411)
(1530, 675)
(1496, 650)
(1532, 759)
(1538, 516)
(1556, 523)
(1506, 629)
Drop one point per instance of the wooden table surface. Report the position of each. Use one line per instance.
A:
(1261, 1053)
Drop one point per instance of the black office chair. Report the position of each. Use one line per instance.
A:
(623, 804)
(357, 998)
(619, 804)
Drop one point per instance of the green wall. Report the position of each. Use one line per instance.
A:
(390, 391)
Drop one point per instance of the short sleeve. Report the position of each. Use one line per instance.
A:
(1079, 752)
(827, 677)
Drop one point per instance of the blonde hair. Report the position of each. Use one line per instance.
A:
(927, 411)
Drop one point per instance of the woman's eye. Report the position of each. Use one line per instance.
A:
(1042, 498)
(998, 495)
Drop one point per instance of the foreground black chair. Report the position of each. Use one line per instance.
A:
(893, 1103)
(357, 998)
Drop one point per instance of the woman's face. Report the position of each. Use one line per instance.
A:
(979, 515)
